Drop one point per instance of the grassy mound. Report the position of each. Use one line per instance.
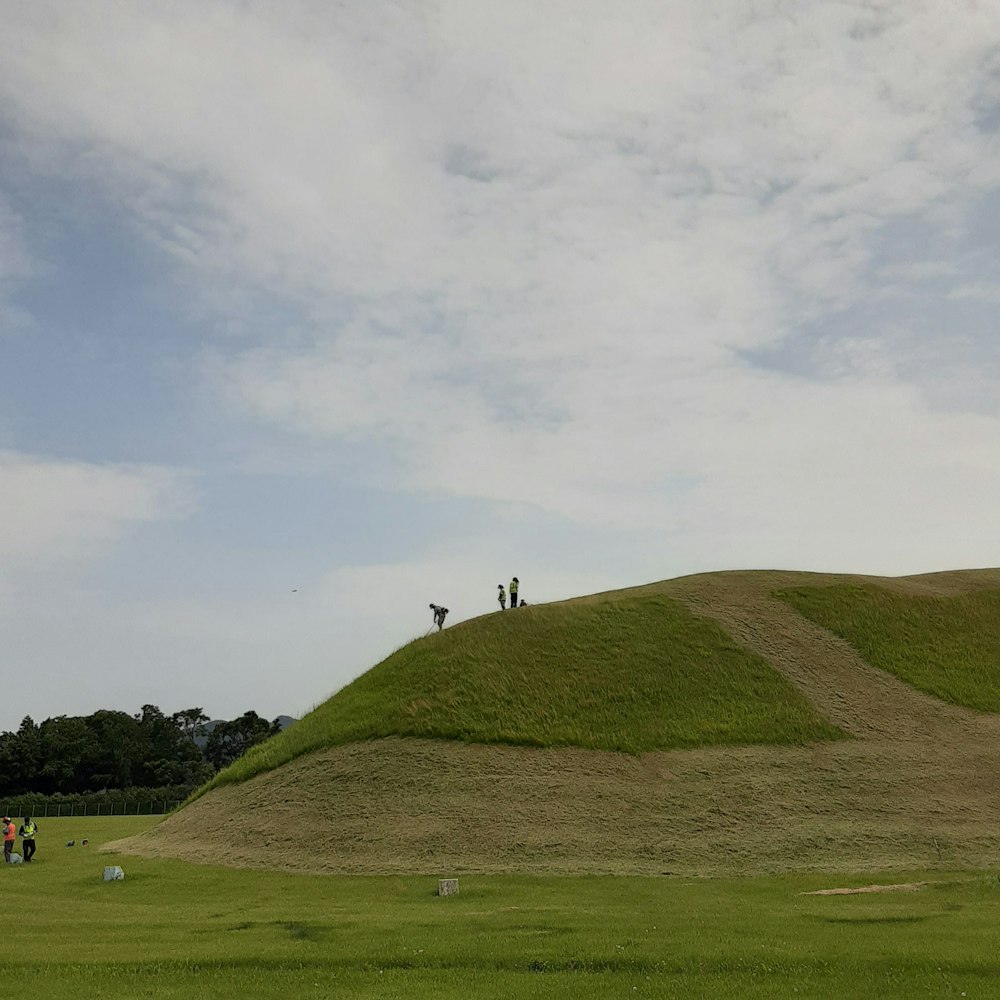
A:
(632, 674)
(948, 647)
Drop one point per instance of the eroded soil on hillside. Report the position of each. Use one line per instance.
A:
(915, 788)
(859, 698)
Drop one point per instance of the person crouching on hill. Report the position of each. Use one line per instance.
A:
(439, 615)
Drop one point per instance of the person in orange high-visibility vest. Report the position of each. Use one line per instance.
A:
(9, 836)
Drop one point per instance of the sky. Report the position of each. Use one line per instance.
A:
(312, 314)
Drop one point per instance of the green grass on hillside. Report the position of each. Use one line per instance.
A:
(631, 675)
(174, 931)
(946, 646)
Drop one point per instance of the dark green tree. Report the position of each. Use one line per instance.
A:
(113, 750)
(29, 748)
(68, 749)
(230, 740)
(172, 758)
(20, 754)
(191, 722)
(120, 748)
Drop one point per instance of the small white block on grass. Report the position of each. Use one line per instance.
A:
(447, 886)
(112, 873)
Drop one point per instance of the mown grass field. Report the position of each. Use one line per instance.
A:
(948, 647)
(178, 930)
(631, 675)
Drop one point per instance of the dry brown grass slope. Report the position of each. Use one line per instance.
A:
(915, 788)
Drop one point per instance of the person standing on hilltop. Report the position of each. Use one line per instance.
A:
(513, 592)
(502, 597)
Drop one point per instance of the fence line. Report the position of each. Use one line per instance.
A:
(54, 810)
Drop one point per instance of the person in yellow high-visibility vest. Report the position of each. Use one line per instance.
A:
(27, 832)
(513, 592)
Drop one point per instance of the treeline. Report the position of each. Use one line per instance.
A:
(77, 755)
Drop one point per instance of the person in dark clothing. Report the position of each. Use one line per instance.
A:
(439, 615)
(27, 833)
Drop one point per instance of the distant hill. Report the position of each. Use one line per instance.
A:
(732, 723)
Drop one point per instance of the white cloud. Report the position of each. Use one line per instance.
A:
(54, 511)
(15, 263)
(521, 244)
(925, 270)
(984, 291)
(764, 455)
(13, 257)
(621, 148)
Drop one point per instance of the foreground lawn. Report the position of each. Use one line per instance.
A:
(176, 930)
(631, 675)
(946, 646)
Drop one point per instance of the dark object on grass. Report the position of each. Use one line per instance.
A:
(83, 843)
(71, 843)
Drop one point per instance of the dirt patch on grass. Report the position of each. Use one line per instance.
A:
(854, 695)
(898, 887)
(914, 789)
